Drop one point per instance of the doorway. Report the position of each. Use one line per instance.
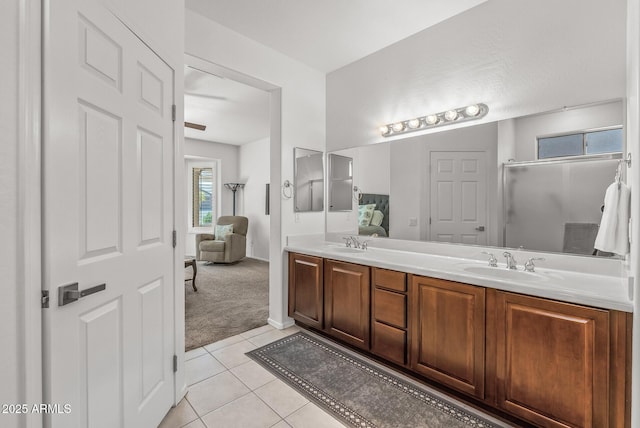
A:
(228, 132)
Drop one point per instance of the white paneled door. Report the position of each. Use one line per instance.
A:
(458, 202)
(108, 150)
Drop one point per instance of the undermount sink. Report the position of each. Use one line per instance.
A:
(502, 273)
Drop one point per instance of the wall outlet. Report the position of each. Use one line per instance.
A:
(413, 221)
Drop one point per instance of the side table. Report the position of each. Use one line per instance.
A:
(192, 262)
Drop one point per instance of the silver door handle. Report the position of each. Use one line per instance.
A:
(69, 293)
(480, 228)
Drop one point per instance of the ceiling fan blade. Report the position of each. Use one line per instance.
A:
(195, 126)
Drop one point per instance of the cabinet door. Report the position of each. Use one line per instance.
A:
(347, 302)
(552, 361)
(306, 289)
(448, 328)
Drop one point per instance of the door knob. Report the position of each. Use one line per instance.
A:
(69, 293)
(480, 228)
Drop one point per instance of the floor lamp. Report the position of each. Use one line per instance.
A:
(234, 188)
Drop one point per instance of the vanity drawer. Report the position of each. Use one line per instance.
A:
(390, 307)
(389, 342)
(390, 279)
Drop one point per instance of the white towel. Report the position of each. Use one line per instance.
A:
(613, 235)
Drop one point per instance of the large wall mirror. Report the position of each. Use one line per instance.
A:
(308, 194)
(534, 182)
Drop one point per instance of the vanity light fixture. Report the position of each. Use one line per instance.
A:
(458, 115)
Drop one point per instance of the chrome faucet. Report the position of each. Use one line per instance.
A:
(511, 262)
(347, 240)
(356, 242)
(493, 262)
(529, 266)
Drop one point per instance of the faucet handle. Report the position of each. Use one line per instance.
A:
(347, 241)
(529, 266)
(493, 262)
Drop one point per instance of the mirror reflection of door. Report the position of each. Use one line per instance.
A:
(309, 180)
(458, 189)
(340, 183)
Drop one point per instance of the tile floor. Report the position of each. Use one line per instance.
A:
(229, 390)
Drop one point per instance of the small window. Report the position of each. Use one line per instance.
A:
(203, 201)
(609, 141)
(581, 143)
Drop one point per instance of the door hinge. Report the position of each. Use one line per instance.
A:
(175, 238)
(173, 112)
(175, 363)
(429, 220)
(44, 299)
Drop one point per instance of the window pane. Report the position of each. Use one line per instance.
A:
(565, 145)
(608, 141)
(202, 197)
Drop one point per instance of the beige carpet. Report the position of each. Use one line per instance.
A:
(230, 300)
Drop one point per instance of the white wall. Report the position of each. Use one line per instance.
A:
(255, 171)
(227, 156)
(10, 353)
(371, 170)
(302, 124)
(517, 57)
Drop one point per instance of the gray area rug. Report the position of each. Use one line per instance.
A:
(230, 300)
(357, 392)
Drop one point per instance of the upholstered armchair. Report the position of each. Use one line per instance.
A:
(229, 250)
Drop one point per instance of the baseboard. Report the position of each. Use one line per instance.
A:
(258, 258)
(281, 326)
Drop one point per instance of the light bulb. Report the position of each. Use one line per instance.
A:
(397, 127)
(432, 119)
(414, 123)
(472, 110)
(384, 129)
(451, 115)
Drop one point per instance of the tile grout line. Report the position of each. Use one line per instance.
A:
(267, 404)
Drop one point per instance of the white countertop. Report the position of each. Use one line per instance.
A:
(602, 291)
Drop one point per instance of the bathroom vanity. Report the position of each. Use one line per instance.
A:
(521, 342)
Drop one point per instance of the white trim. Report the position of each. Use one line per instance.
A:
(179, 225)
(632, 128)
(29, 281)
(281, 325)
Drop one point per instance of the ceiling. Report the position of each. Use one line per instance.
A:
(325, 35)
(233, 112)
(328, 34)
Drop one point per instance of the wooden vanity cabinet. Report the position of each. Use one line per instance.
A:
(553, 364)
(389, 336)
(306, 289)
(556, 362)
(346, 302)
(448, 333)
